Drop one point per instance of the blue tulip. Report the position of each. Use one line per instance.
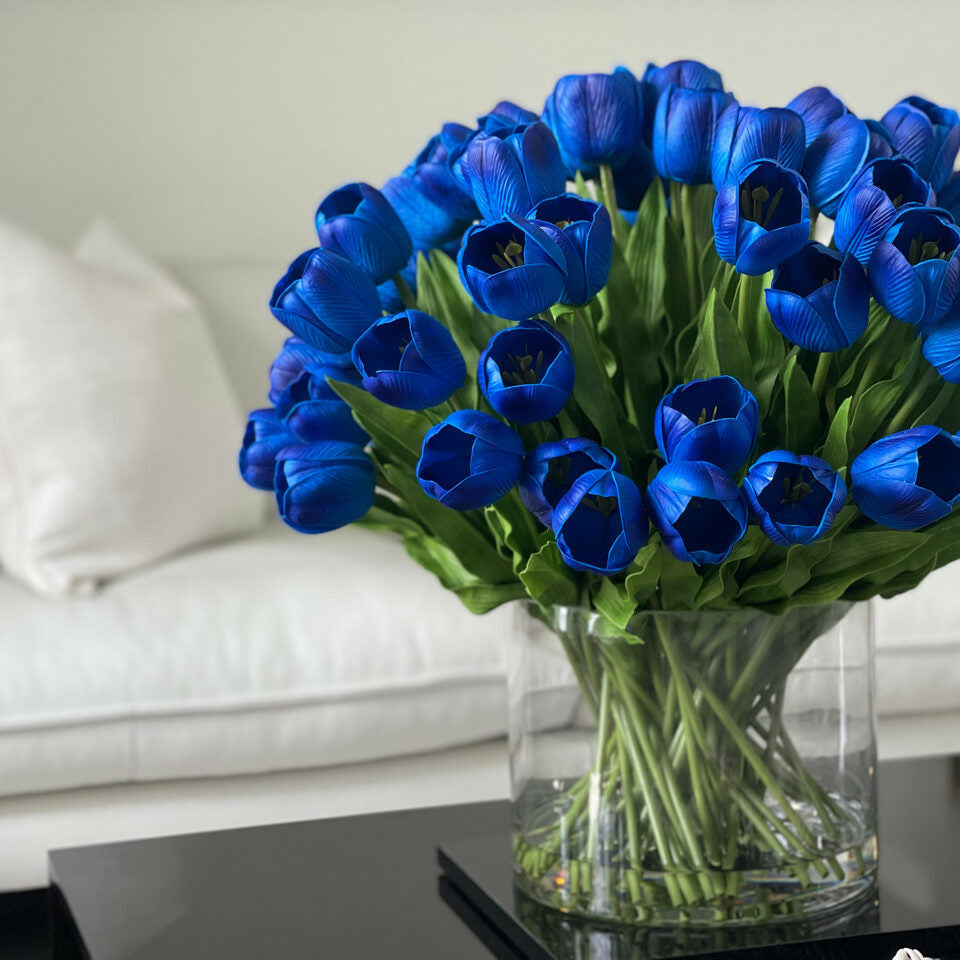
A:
(469, 460)
(819, 299)
(700, 512)
(294, 357)
(948, 196)
(746, 134)
(686, 74)
(871, 202)
(927, 135)
(550, 470)
(526, 372)
(587, 242)
(597, 119)
(684, 132)
(505, 114)
(837, 156)
(908, 479)
(761, 218)
(323, 486)
(818, 107)
(941, 346)
(265, 436)
(513, 268)
(427, 198)
(793, 498)
(600, 523)
(512, 169)
(358, 223)
(312, 411)
(914, 271)
(716, 420)
(409, 360)
(326, 301)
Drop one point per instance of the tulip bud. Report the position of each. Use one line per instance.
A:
(927, 135)
(264, 437)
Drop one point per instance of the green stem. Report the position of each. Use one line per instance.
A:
(610, 200)
(820, 376)
(878, 356)
(408, 297)
(597, 776)
(912, 399)
(691, 254)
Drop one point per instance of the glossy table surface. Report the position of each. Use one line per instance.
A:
(367, 887)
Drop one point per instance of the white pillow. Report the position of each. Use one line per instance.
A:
(118, 427)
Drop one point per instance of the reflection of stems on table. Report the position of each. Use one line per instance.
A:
(692, 768)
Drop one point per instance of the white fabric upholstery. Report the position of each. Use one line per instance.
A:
(118, 426)
(272, 652)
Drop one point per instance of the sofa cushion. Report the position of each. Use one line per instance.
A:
(272, 652)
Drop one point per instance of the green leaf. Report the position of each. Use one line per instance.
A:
(724, 350)
(802, 433)
(719, 583)
(785, 578)
(643, 574)
(379, 518)
(398, 432)
(613, 601)
(548, 580)
(645, 253)
(679, 583)
(475, 551)
(763, 341)
(676, 297)
(483, 597)
(836, 450)
(514, 527)
(878, 400)
(939, 403)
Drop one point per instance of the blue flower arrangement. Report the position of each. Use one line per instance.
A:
(655, 348)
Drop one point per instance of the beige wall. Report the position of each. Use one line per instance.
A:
(210, 128)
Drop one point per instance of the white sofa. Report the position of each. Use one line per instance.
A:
(185, 695)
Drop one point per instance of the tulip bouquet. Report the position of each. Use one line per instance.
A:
(598, 358)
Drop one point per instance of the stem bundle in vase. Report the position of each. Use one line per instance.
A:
(596, 360)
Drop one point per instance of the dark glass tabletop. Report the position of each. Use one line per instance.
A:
(368, 886)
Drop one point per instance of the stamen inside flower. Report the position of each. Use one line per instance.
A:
(509, 254)
(525, 369)
(752, 204)
(703, 418)
(795, 490)
(604, 505)
(921, 250)
(558, 470)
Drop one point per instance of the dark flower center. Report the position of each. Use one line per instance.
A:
(604, 505)
(938, 467)
(771, 196)
(525, 368)
(703, 418)
(795, 495)
(757, 205)
(509, 254)
(562, 471)
(706, 525)
(921, 249)
(708, 400)
(898, 181)
(451, 451)
(798, 488)
(925, 236)
(806, 272)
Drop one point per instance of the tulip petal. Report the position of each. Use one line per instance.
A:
(833, 159)
(818, 107)
(894, 283)
(769, 248)
(496, 178)
(541, 164)
(941, 347)
(523, 291)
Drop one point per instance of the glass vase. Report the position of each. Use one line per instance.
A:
(703, 768)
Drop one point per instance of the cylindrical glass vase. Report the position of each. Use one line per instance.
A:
(696, 768)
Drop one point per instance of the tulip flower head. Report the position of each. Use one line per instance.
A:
(912, 271)
(469, 460)
(908, 479)
(818, 107)
(265, 436)
(927, 135)
(762, 218)
(294, 357)
(948, 197)
(819, 299)
(513, 168)
(325, 300)
(872, 201)
(427, 198)
(312, 411)
(837, 156)
(941, 347)
(550, 470)
(794, 498)
(747, 134)
(686, 74)
(684, 132)
(700, 512)
(586, 240)
(409, 360)
(597, 119)
(323, 486)
(600, 523)
(512, 268)
(358, 223)
(715, 420)
(526, 372)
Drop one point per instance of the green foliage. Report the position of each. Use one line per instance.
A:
(671, 311)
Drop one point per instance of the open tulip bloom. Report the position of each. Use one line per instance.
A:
(597, 360)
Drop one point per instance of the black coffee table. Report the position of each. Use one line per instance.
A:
(369, 887)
